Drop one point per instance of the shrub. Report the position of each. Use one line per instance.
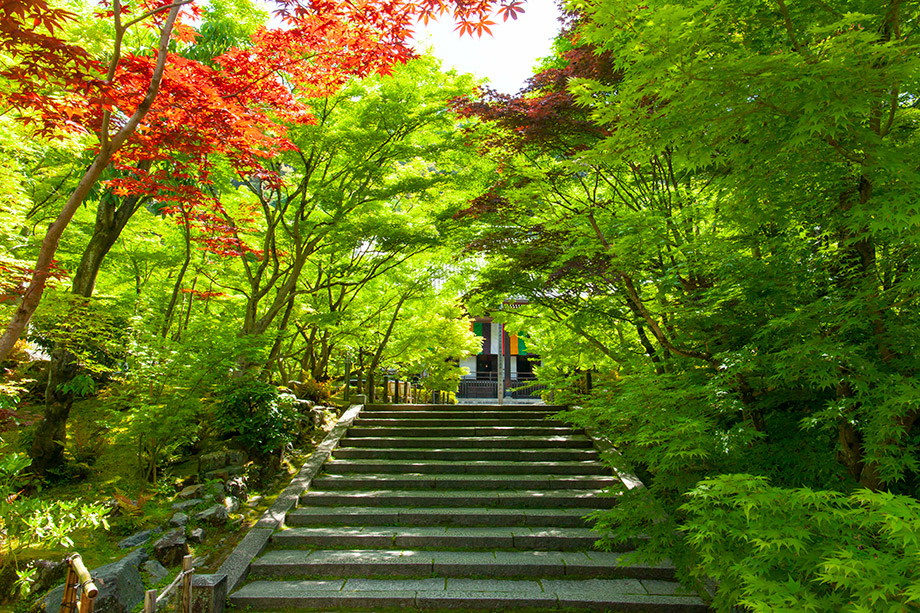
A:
(256, 412)
(791, 550)
(162, 430)
(671, 434)
(27, 522)
(311, 389)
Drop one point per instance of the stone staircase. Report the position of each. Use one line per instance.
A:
(455, 507)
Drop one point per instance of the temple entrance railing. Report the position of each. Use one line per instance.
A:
(485, 385)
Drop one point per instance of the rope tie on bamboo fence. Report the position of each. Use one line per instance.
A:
(79, 590)
(178, 578)
(183, 604)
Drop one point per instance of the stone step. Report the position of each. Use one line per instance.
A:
(471, 442)
(456, 415)
(462, 482)
(434, 537)
(456, 422)
(436, 516)
(464, 408)
(474, 467)
(461, 431)
(468, 455)
(433, 594)
(373, 563)
(461, 508)
(517, 499)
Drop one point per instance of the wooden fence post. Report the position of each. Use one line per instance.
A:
(185, 594)
(69, 600)
(150, 601)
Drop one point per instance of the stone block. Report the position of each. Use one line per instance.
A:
(215, 515)
(317, 417)
(209, 593)
(237, 486)
(197, 535)
(192, 491)
(135, 540)
(187, 504)
(178, 520)
(232, 504)
(171, 548)
(155, 571)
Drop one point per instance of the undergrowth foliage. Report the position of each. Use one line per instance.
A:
(794, 546)
(779, 550)
(28, 522)
(254, 411)
(672, 434)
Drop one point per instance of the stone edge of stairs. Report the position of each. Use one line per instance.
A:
(236, 566)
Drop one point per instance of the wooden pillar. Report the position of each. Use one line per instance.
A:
(506, 357)
(69, 601)
(78, 576)
(347, 392)
(150, 601)
(370, 388)
(185, 590)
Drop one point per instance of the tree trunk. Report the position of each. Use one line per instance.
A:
(48, 445)
(321, 366)
(177, 287)
(275, 353)
(375, 361)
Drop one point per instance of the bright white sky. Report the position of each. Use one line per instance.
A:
(507, 57)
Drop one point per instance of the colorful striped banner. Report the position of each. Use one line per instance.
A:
(491, 334)
(517, 345)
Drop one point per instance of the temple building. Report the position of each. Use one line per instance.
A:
(516, 367)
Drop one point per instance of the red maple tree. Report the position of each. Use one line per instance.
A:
(159, 106)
